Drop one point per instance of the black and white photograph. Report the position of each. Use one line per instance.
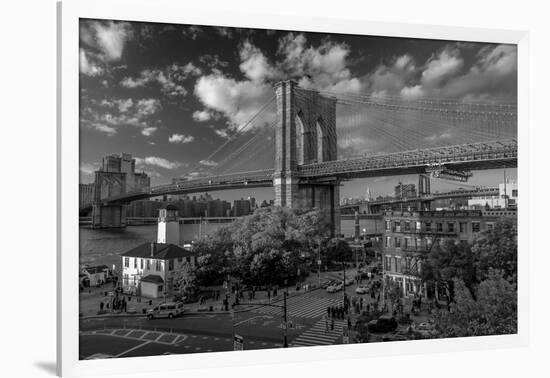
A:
(244, 189)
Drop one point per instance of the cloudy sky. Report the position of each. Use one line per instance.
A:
(171, 94)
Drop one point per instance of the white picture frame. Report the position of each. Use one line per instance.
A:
(172, 11)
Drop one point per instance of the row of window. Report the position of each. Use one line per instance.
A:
(417, 226)
(404, 264)
(156, 263)
(407, 243)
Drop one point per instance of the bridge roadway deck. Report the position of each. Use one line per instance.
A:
(478, 156)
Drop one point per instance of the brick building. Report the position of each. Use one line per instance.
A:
(408, 236)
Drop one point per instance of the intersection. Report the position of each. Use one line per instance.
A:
(262, 327)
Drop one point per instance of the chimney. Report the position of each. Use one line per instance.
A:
(153, 248)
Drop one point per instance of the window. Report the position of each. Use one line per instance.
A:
(489, 226)
(157, 265)
(514, 192)
(418, 226)
(451, 227)
(388, 225)
(171, 264)
(407, 243)
(397, 242)
(398, 226)
(418, 243)
(428, 226)
(463, 227)
(126, 262)
(407, 226)
(148, 264)
(387, 264)
(141, 263)
(388, 241)
(135, 263)
(439, 227)
(475, 226)
(125, 279)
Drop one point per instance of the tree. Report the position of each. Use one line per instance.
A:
(185, 282)
(493, 312)
(446, 261)
(497, 249)
(267, 247)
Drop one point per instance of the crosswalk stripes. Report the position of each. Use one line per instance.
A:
(318, 334)
(303, 306)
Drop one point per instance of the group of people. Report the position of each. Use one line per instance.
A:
(116, 303)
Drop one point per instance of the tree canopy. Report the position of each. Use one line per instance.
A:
(265, 248)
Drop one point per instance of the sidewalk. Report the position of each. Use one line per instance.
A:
(91, 297)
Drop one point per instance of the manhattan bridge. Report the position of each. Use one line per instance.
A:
(305, 143)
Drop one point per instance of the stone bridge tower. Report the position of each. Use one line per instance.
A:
(305, 134)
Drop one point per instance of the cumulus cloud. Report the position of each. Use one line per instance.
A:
(254, 64)
(202, 115)
(89, 67)
(447, 63)
(158, 162)
(170, 79)
(111, 114)
(103, 43)
(237, 100)
(180, 138)
(148, 131)
(222, 133)
(208, 163)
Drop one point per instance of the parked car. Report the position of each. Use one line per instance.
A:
(166, 310)
(385, 323)
(424, 330)
(335, 287)
(362, 289)
(328, 283)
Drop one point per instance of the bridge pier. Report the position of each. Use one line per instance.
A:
(108, 216)
(305, 133)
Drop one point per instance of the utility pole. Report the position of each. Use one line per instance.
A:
(319, 263)
(285, 343)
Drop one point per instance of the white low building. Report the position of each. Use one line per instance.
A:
(507, 197)
(149, 269)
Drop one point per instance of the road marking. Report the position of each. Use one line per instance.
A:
(131, 349)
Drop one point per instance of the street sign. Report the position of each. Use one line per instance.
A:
(319, 262)
(238, 342)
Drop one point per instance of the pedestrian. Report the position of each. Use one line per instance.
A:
(268, 294)
(328, 311)
(101, 304)
(332, 324)
(326, 324)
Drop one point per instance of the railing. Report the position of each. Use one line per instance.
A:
(418, 158)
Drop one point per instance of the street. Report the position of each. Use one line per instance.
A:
(261, 326)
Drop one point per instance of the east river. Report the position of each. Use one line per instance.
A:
(105, 246)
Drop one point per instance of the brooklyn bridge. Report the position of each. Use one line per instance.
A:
(305, 143)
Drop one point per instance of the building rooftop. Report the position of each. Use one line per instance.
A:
(161, 251)
(95, 269)
(153, 278)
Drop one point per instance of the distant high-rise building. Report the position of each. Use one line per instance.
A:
(405, 190)
(368, 195)
(86, 193)
(241, 207)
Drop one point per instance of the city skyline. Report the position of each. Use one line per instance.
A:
(170, 94)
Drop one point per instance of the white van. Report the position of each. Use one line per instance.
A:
(166, 310)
